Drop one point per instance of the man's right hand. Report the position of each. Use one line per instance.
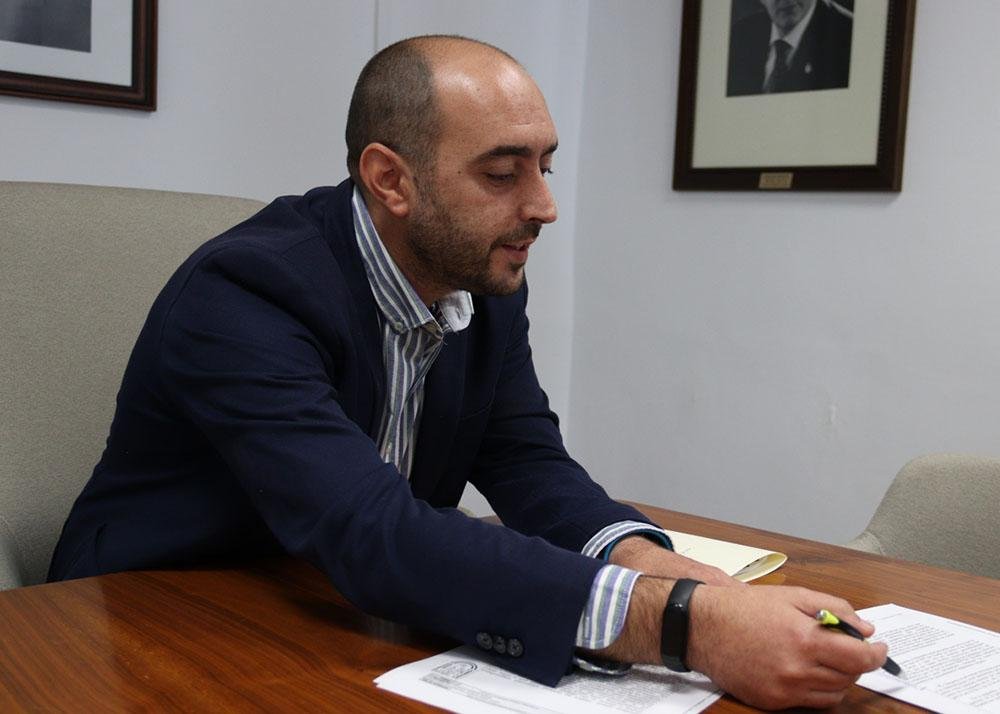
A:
(762, 644)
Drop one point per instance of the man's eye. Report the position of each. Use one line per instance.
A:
(500, 178)
(547, 171)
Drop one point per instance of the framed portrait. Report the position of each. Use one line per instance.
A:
(89, 51)
(793, 94)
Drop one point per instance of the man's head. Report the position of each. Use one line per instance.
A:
(393, 104)
(786, 14)
(449, 139)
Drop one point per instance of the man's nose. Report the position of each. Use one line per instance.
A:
(538, 204)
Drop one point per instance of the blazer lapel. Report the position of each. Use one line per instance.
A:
(339, 233)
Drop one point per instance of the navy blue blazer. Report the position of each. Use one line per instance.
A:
(822, 60)
(245, 426)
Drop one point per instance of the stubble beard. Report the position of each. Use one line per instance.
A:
(451, 258)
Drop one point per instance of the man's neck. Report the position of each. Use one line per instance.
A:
(392, 233)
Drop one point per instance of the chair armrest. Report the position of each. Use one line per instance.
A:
(866, 542)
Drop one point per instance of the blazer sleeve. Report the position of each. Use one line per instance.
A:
(241, 354)
(522, 467)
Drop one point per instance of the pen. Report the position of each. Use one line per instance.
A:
(828, 619)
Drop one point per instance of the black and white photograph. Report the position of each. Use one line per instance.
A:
(789, 46)
(84, 51)
(793, 94)
(63, 24)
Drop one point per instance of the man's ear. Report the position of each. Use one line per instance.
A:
(387, 178)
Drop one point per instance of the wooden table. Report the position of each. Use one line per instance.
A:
(275, 636)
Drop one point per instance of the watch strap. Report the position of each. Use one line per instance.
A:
(674, 631)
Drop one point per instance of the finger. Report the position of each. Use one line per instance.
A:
(826, 679)
(812, 602)
(863, 626)
(881, 654)
(854, 620)
(845, 654)
(847, 614)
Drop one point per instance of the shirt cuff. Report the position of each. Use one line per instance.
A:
(605, 539)
(604, 614)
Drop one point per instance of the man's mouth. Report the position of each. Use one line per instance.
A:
(518, 247)
(516, 243)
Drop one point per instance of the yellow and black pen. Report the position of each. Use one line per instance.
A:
(828, 619)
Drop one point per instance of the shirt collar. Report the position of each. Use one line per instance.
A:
(794, 37)
(394, 295)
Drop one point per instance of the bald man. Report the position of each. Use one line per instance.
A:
(325, 378)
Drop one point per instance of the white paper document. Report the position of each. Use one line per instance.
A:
(462, 681)
(948, 666)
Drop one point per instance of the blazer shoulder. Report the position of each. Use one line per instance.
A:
(280, 225)
(832, 20)
(751, 35)
(311, 232)
(839, 10)
(287, 255)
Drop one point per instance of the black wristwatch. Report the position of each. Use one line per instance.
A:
(674, 633)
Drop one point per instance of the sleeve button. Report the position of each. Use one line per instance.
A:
(484, 640)
(514, 647)
(499, 645)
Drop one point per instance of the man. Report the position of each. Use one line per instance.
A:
(319, 380)
(790, 46)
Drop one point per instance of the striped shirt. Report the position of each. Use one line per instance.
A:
(412, 337)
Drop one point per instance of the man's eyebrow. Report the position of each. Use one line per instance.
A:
(514, 150)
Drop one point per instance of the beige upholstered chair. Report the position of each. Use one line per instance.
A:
(942, 509)
(81, 266)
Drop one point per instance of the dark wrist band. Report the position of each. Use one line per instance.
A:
(674, 632)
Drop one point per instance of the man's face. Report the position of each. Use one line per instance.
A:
(458, 251)
(786, 14)
(483, 203)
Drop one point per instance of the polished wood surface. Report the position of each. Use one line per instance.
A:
(275, 636)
